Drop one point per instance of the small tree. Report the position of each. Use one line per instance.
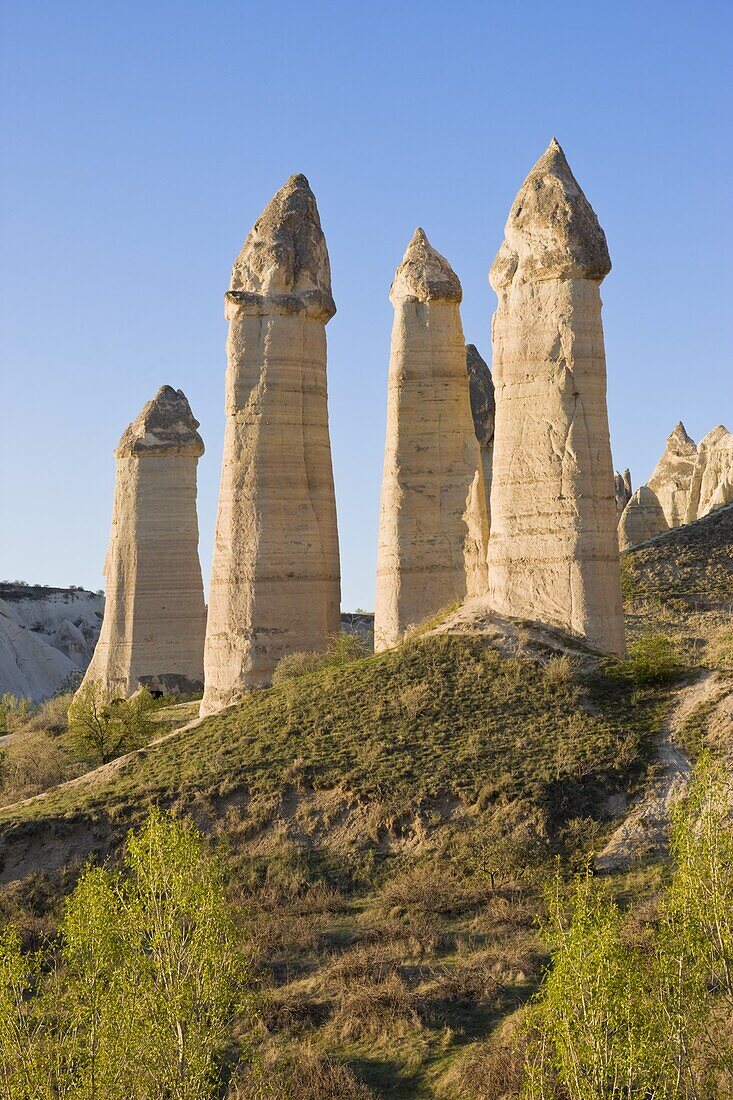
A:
(100, 730)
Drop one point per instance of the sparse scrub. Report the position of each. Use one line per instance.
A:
(100, 729)
(30, 763)
(342, 649)
(299, 1073)
(653, 659)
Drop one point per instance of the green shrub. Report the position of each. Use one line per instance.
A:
(652, 659)
(100, 730)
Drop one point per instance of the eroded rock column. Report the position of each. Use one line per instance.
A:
(275, 579)
(154, 615)
(433, 528)
(553, 551)
(672, 475)
(711, 485)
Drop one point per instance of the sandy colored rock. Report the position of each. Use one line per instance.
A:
(275, 578)
(672, 475)
(483, 411)
(553, 552)
(642, 519)
(711, 485)
(622, 484)
(154, 616)
(433, 527)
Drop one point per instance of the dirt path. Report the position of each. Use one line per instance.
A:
(644, 831)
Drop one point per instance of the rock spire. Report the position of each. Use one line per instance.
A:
(275, 579)
(673, 475)
(553, 551)
(642, 519)
(483, 410)
(154, 615)
(622, 483)
(711, 484)
(433, 527)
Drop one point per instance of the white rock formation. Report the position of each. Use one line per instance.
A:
(672, 475)
(275, 578)
(622, 483)
(433, 527)
(483, 410)
(154, 618)
(553, 552)
(46, 635)
(711, 485)
(642, 519)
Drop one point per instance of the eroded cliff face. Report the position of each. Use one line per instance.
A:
(672, 475)
(642, 519)
(433, 525)
(154, 619)
(711, 484)
(275, 581)
(553, 552)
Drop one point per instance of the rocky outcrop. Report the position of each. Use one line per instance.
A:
(672, 475)
(154, 618)
(433, 527)
(642, 519)
(275, 578)
(622, 484)
(553, 552)
(711, 485)
(483, 410)
(45, 635)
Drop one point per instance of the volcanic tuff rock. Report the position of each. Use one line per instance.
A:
(711, 485)
(154, 618)
(622, 483)
(433, 526)
(483, 410)
(672, 475)
(275, 578)
(553, 552)
(642, 519)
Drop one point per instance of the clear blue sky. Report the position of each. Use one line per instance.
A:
(141, 140)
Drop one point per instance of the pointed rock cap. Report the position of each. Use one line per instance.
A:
(424, 275)
(165, 426)
(715, 437)
(552, 231)
(679, 441)
(481, 389)
(284, 262)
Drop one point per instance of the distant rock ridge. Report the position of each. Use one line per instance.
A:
(711, 485)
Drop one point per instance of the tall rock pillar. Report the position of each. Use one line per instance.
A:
(154, 615)
(483, 410)
(432, 528)
(553, 552)
(275, 578)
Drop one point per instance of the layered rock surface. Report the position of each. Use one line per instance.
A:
(672, 475)
(553, 552)
(483, 411)
(711, 484)
(433, 525)
(154, 618)
(275, 579)
(642, 519)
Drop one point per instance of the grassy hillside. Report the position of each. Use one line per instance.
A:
(388, 826)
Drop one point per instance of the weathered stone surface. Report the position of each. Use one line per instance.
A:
(154, 616)
(711, 485)
(672, 475)
(433, 527)
(275, 579)
(553, 552)
(622, 484)
(483, 410)
(642, 519)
